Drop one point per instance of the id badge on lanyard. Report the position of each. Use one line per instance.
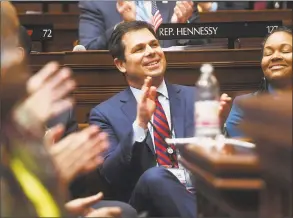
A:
(179, 173)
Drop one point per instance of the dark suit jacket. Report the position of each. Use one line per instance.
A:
(125, 162)
(98, 19)
(66, 118)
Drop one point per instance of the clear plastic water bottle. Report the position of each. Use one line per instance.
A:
(207, 122)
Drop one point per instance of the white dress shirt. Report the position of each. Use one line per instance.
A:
(139, 134)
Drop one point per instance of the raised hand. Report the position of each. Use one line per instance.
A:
(126, 9)
(48, 96)
(82, 206)
(182, 11)
(77, 153)
(105, 212)
(53, 135)
(147, 104)
(225, 107)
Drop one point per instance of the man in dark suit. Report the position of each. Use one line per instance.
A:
(134, 123)
(139, 165)
(99, 18)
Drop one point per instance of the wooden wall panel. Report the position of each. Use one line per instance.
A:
(23, 7)
(73, 7)
(47, 6)
(238, 72)
(55, 7)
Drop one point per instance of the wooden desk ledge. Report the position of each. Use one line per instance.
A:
(82, 125)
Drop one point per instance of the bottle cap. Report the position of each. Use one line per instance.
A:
(206, 68)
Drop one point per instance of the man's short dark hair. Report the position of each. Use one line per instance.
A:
(116, 46)
(25, 40)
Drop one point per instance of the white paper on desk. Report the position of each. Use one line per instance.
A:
(194, 47)
(33, 12)
(219, 142)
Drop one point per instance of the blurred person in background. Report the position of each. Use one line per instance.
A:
(98, 19)
(207, 6)
(276, 64)
(21, 134)
(241, 5)
(27, 105)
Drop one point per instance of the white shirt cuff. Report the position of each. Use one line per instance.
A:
(139, 133)
(214, 6)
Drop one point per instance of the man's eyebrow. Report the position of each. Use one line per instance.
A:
(142, 44)
(154, 40)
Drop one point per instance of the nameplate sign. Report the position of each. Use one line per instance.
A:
(40, 32)
(216, 30)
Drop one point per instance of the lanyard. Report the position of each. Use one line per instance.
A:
(35, 191)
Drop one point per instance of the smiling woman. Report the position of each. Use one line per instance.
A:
(276, 63)
(277, 59)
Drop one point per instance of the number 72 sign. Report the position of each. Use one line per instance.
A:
(40, 32)
(47, 33)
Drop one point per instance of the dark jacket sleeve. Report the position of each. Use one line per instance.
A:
(67, 119)
(92, 31)
(118, 162)
(71, 124)
(195, 15)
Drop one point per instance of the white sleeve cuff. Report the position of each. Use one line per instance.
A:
(139, 134)
(214, 6)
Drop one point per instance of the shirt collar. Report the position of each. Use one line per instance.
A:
(162, 89)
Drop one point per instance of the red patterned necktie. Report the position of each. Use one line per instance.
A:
(162, 131)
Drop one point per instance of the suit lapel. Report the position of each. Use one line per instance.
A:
(129, 109)
(129, 105)
(177, 109)
(149, 142)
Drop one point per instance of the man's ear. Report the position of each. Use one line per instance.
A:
(120, 64)
(21, 53)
